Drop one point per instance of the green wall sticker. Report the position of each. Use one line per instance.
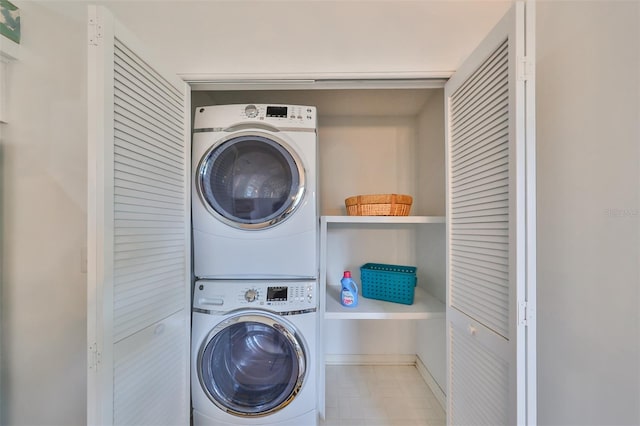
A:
(9, 21)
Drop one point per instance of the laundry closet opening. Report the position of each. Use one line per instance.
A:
(371, 141)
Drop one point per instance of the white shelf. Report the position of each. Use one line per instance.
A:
(383, 219)
(424, 306)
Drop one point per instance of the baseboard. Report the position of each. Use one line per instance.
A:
(431, 382)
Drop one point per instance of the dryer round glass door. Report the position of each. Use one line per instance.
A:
(251, 180)
(252, 364)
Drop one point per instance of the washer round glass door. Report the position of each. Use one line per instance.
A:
(252, 364)
(251, 180)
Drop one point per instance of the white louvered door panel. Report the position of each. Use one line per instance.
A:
(486, 238)
(479, 189)
(148, 159)
(139, 247)
(481, 391)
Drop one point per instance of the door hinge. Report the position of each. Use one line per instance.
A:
(523, 318)
(94, 357)
(94, 31)
(525, 68)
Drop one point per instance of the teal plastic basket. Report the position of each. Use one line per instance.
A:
(392, 283)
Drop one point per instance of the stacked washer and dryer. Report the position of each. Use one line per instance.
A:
(255, 251)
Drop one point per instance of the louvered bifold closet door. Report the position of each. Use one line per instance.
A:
(479, 238)
(144, 292)
(483, 231)
(149, 223)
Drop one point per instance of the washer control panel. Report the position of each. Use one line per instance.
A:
(285, 296)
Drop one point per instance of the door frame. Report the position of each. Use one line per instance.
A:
(289, 82)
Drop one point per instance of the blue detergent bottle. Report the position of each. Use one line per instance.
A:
(349, 292)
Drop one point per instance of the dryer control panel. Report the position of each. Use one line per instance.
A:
(278, 116)
(285, 296)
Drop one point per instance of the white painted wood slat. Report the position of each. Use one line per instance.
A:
(481, 244)
(478, 127)
(492, 180)
(484, 157)
(146, 78)
(476, 86)
(490, 132)
(485, 171)
(483, 197)
(480, 191)
(143, 149)
(155, 175)
(124, 200)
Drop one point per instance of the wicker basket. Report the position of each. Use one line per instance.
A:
(379, 205)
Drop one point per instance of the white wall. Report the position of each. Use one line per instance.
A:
(588, 94)
(43, 163)
(308, 37)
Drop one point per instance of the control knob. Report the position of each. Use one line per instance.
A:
(251, 295)
(251, 111)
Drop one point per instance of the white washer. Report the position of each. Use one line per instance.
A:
(254, 207)
(253, 357)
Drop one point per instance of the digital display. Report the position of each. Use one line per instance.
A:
(276, 111)
(276, 294)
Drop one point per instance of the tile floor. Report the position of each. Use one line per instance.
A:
(372, 395)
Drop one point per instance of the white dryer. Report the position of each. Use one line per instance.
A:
(254, 207)
(253, 357)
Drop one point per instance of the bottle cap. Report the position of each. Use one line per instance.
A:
(347, 274)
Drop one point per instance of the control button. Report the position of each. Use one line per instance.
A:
(251, 295)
